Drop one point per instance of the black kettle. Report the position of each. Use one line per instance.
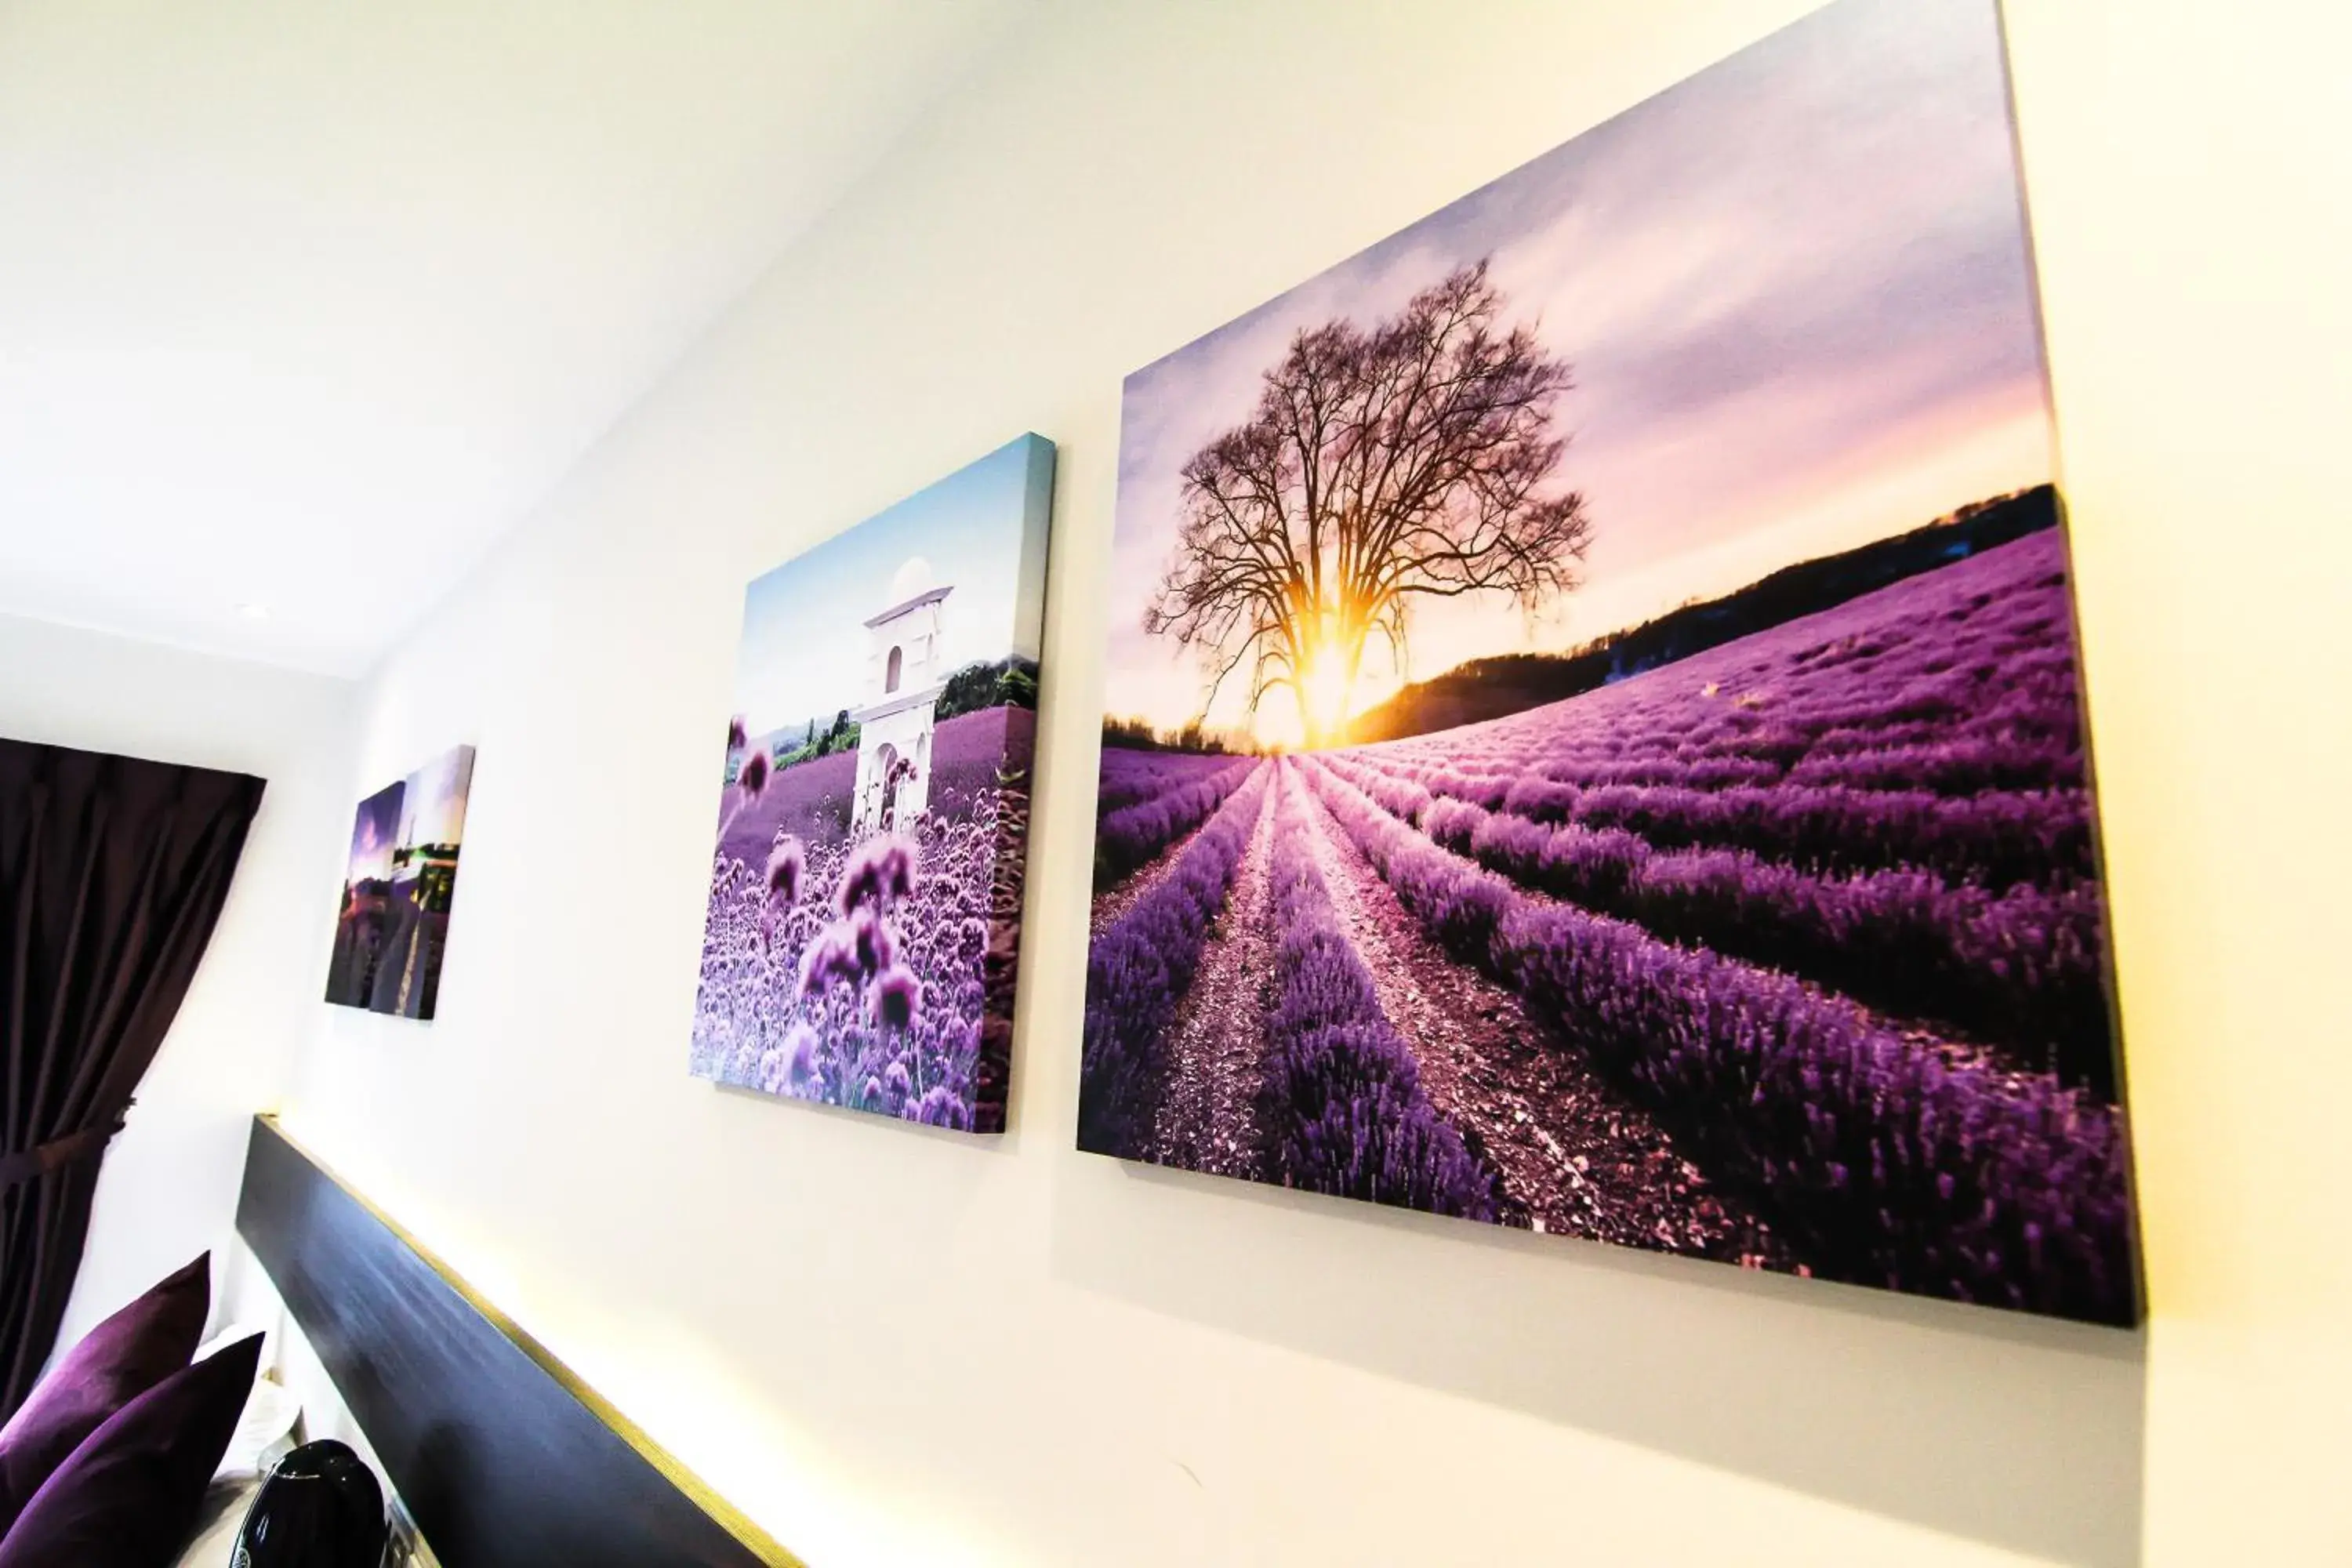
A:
(321, 1508)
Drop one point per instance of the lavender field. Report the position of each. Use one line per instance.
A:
(871, 971)
(1788, 954)
(1592, 733)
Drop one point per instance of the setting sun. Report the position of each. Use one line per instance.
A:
(1323, 688)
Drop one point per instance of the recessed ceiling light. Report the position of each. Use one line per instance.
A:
(254, 612)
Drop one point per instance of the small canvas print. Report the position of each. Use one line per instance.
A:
(863, 932)
(1594, 738)
(397, 890)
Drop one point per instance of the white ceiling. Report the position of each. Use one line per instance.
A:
(302, 304)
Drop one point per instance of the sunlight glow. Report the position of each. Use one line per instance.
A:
(1323, 687)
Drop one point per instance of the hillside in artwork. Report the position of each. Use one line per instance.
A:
(1506, 683)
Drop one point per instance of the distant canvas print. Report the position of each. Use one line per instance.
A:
(397, 890)
(1592, 736)
(864, 915)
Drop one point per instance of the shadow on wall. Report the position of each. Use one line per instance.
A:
(2026, 1435)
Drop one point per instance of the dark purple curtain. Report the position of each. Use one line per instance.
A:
(112, 872)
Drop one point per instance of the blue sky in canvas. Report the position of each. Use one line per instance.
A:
(803, 653)
(1795, 297)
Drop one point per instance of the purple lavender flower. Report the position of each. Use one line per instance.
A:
(800, 1056)
(753, 777)
(786, 863)
(940, 1108)
(896, 993)
(776, 985)
(871, 942)
(882, 868)
(832, 956)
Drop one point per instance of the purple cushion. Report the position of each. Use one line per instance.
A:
(131, 1494)
(116, 1362)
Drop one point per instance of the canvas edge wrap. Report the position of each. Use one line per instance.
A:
(1016, 853)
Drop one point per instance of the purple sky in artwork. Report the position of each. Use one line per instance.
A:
(1797, 296)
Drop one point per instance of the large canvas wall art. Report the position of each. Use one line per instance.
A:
(864, 925)
(398, 886)
(1593, 739)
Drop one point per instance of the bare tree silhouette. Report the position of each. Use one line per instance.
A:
(1414, 458)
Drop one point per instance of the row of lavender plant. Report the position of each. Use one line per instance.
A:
(2022, 732)
(1129, 775)
(1130, 837)
(1963, 766)
(1342, 1103)
(1959, 679)
(1996, 838)
(1885, 1163)
(2020, 970)
(2023, 967)
(1912, 756)
(1139, 969)
(2025, 702)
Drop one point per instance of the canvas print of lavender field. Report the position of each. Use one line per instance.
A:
(864, 925)
(398, 887)
(1594, 737)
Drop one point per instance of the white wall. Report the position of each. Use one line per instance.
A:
(2188, 164)
(897, 1348)
(169, 1186)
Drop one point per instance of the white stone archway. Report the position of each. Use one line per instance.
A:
(904, 680)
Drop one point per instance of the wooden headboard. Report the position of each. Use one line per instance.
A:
(504, 1458)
